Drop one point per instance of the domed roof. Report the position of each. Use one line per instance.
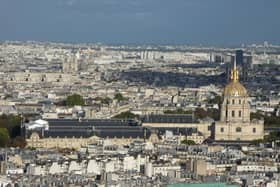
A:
(235, 88)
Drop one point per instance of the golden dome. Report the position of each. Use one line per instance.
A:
(234, 88)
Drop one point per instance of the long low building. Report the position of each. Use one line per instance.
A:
(74, 133)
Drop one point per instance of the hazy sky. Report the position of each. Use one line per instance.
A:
(210, 22)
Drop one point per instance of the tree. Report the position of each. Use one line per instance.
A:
(18, 142)
(119, 97)
(106, 100)
(188, 142)
(4, 137)
(75, 99)
(126, 115)
(11, 123)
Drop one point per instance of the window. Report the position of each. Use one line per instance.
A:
(226, 113)
(254, 130)
(238, 129)
(222, 129)
(239, 113)
(233, 101)
(232, 113)
(240, 101)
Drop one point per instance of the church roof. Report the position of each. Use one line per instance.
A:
(235, 88)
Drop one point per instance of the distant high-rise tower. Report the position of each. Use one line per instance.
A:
(239, 57)
(247, 63)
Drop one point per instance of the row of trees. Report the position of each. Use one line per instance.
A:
(77, 99)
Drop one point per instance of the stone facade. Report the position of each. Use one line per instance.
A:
(76, 143)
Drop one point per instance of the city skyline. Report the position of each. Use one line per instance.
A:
(216, 23)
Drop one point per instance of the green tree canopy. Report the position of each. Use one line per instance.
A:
(119, 97)
(106, 100)
(126, 115)
(11, 123)
(4, 137)
(188, 142)
(75, 99)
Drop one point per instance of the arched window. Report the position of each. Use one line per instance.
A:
(240, 101)
(239, 113)
(233, 101)
(232, 113)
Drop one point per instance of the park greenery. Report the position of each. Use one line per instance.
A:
(188, 142)
(75, 99)
(4, 137)
(10, 131)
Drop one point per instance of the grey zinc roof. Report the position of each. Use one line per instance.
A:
(87, 128)
(169, 118)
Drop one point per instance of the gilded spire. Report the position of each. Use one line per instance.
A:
(234, 72)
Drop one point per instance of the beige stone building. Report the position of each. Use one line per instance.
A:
(76, 143)
(73, 133)
(235, 123)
